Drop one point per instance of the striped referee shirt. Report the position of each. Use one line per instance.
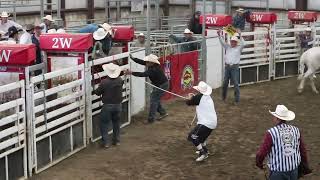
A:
(284, 148)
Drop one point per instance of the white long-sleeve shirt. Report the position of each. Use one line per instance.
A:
(25, 38)
(4, 27)
(232, 54)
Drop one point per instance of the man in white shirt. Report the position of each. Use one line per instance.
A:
(26, 36)
(47, 21)
(5, 24)
(232, 60)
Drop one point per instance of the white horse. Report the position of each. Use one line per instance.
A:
(310, 59)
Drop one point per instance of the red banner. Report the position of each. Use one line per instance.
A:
(66, 42)
(182, 72)
(216, 20)
(304, 16)
(17, 54)
(262, 18)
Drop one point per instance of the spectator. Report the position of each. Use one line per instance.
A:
(232, 60)
(141, 42)
(306, 40)
(6, 24)
(194, 23)
(187, 38)
(26, 36)
(36, 41)
(239, 20)
(284, 147)
(111, 91)
(13, 35)
(61, 31)
(46, 25)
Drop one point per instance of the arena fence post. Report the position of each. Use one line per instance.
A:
(88, 97)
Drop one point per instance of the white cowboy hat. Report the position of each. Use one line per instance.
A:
(112, 70)
(308, 29)
(203, 88)
(240, 10)
(62, 31)
(187, 31)
(52, 31)
(107, 28)
(283, 113)
(48, 17)
(152, 58)
(99, 34)
(5, 14)
(141, 35)
(234, 38)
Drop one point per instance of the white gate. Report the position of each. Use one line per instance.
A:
(58, 109)
(97, 76)
(287, 52)
(13, 148)
(255, 60)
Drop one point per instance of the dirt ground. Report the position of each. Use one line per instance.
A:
(160, 151)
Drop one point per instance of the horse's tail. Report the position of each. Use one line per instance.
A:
(302, 65)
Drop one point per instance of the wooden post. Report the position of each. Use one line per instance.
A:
(90, 12)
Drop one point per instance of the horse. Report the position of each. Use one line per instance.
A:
(310, 59)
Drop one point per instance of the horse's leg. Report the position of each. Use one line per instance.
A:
(306, 75)
(313, 86)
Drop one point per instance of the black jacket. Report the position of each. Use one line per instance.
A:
(195, 26)
(111, 91)
(155, 73)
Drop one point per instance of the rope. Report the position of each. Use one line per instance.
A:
(177, 95)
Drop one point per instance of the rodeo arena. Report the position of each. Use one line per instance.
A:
(159, 89)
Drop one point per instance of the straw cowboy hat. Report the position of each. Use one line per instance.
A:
(99, 34)
(203, 88)
(107, 28)
(112, 70)
(240, 10)
(48, 17)
(52, 31)
(61, 31)
(283, 113)
(187, 31)
(5, 14)
(152, 58)
(234, 38)
(29, 27)
(141, 35)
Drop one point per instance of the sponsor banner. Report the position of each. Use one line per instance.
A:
(182, 72)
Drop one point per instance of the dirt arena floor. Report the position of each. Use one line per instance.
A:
(160, 151)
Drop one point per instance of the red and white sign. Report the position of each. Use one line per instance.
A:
(17, 54)
(262, 18)
(302, 16)
(216, 20)
(123, 33)
(66, 42)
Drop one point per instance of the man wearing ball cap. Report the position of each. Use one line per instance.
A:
(284, 147)
(207, 118)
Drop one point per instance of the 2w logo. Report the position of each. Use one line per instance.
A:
(61, 42)
(211, 20)
(5, 55)
(257, 17)
(299, 15)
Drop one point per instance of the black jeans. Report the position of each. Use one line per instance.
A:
(110, 113)
(155, 102)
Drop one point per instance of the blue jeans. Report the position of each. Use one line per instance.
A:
(231, 73)
(155, 102)
(290, 175)
(110, 113)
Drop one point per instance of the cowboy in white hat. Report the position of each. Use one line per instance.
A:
(306, 39)
(107, 28)
(111, 91)
(232, 60)
(187, 38)
(207, 119)
(141, 41)
(284, 147)
(5, 24)
(26, 38)
(158, 79)
(47, 21)
(239, 20)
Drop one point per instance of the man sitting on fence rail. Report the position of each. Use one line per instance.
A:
(187, 38)
(158, 79)
(111, 91)
(306, 40)
(232, 60)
